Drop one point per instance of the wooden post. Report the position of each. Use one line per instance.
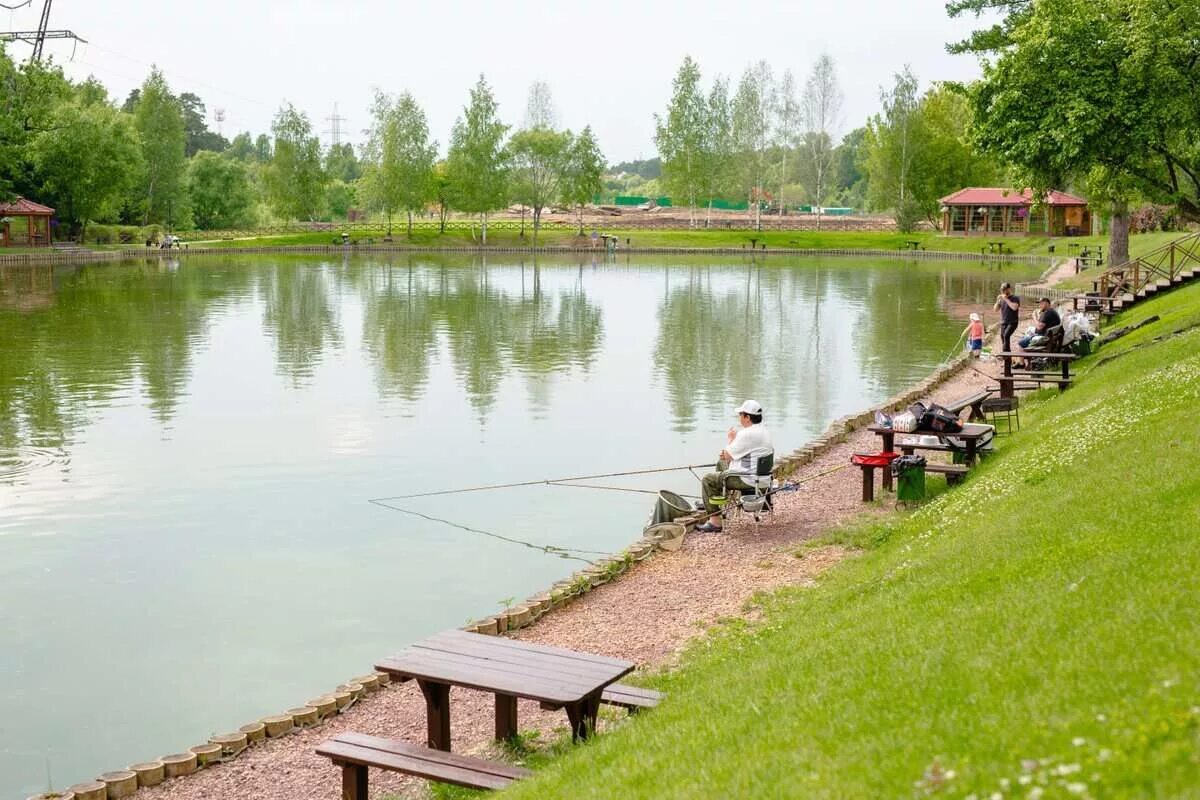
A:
(354, 782)
(437, 713)
(506, 717)
(868, 484)
(889, 444)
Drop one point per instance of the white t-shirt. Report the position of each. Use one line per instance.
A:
(747, 447)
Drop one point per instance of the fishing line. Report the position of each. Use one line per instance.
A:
(549, 549)
(614, 489)
(542, 482)
(954, 349)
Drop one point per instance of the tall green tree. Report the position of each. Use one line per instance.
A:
(399, 157)
(1102, 93)
(680, 135)
(87, 161)
(30, 95)
(242, 148)
(718, 176)
(162, 137)
(540, 159)
(220, 190)
(753, 112)
(476, 162)
(585, 168)
(789, 119)
(198, 136)
(892, 143)
(295, 179)
(341, 163)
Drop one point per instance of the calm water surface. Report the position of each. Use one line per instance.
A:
(187, 452)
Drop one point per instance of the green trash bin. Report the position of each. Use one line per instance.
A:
(910, 478)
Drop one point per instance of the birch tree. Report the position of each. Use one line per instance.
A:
(753, 109)
(477, 164)
(540, 111)
(584, 169)
(717, 172)
(295, 179)
(539, 160)
(787, 128)
(399, 156)
(891, 143)
(680, 136)
(162, 139)
(820, 111)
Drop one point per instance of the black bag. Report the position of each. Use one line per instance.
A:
(941, 420)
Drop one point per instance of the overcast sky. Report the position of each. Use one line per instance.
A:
(609, 64)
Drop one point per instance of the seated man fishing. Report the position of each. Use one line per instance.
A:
(748, 440)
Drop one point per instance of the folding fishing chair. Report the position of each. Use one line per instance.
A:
(760, 482)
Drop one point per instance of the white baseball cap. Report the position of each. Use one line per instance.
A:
(750, 407)
(974, 317)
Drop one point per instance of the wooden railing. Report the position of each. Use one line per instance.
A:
(1166, 263)
(609, 223)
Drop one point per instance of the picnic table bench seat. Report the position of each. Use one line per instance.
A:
(355, 752)
(631, 698)
(954, 472)
(974, 401)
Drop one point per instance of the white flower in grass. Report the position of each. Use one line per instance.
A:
(1077, 788)
(1025, 780)
(1079, 741)
(1036, 792)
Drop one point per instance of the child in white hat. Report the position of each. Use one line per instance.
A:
(974, 334)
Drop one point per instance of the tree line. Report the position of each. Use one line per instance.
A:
(770, 141)
(151, 160)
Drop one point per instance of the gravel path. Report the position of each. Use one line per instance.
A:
(646, 616)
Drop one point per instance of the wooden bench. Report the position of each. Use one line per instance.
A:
(354, 752)
(954, 472)
(631, 698)
(974, 401)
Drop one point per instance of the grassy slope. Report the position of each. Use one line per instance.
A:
(807, 240)
(1039, 626)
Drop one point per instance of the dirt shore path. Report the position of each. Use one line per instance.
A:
(645, 616)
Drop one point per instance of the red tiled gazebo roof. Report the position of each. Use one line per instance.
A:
(24, 208)
(976, 196)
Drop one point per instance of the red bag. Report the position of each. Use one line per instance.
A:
(878, 460)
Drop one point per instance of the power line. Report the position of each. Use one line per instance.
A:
(38, 38)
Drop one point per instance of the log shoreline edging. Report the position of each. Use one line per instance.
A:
(92, 256)
(226, 747)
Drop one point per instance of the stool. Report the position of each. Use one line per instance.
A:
(1006, 406)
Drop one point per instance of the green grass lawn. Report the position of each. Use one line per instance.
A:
(457, 237)
(1032, 633)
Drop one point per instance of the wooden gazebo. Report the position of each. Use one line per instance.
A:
(1007, 212)
(24, 223)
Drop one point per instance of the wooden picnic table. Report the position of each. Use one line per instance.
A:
(509, 669)
(1008, 380)
(912, 244)
(970, 434)
(996, 247)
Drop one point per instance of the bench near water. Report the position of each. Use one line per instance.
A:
(355, 752)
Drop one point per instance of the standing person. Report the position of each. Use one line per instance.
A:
(1009, 306)
(747, 442)
(974, 334)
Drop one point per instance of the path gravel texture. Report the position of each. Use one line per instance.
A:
(646, 616)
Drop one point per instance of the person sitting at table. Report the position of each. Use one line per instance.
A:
(747, 442)
(1047, 318)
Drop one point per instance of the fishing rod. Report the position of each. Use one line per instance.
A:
(542, 482)
(950, 355)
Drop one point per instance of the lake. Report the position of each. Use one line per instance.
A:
(188, 449)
